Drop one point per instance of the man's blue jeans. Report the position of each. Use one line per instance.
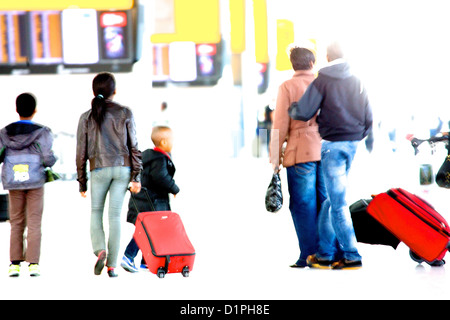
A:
(337, 236)
(307, 192)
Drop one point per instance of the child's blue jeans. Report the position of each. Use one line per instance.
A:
(132, 249)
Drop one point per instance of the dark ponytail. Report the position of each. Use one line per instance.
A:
(104, 86)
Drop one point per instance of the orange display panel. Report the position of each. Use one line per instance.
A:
(161, 69)
(12, 35)
(4, 56)
(46, 37)
(33, 5)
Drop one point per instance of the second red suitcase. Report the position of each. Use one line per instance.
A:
(413, 221)
(165, 246)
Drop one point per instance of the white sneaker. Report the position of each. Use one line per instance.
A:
(14, 270)
(34, 270)
(128, 265)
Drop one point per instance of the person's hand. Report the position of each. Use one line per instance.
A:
(83, 194)
(135, 187)
(276, 167)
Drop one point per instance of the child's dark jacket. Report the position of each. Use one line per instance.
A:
(157, 177)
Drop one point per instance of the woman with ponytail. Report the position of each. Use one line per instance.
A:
(106, 137)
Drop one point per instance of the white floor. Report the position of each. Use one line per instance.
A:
(243, 252)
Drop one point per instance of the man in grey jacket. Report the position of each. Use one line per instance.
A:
(27, 151)
(345, 118)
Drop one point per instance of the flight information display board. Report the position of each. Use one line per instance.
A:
(13, 34)
(45, 34)
(67, 41)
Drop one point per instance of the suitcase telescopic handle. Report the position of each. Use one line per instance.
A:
(146, 195)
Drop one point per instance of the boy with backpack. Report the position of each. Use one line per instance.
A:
(26, 151)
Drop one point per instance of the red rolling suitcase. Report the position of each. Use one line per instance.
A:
(413, 221)
(165, 246)
(163, 241)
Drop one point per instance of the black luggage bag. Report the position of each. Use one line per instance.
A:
(367, 229)
(4, 214)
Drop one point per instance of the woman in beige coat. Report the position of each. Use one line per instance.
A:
(301, 156)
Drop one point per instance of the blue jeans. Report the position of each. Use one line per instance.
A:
(337, 236)
(307, 192)
(132, 248)
(114, 180)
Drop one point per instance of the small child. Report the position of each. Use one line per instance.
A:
(27, 150)
(157, 180)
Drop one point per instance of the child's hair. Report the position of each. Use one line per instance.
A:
(158, 134)
(25, 105)
(104, 86)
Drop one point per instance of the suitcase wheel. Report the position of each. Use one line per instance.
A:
(161, 273)
(415, 257)
(185, 272)
(435, 263)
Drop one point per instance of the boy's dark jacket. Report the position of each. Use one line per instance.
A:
(345, 113)
(157, 178)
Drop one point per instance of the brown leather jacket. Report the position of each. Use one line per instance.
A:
(115, 144)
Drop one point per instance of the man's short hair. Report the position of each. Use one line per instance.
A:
(301, 58)
(334, 51)
(25, 105)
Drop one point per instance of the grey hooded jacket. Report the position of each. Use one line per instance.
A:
(27, 152)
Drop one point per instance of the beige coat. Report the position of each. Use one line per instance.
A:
(303, 139)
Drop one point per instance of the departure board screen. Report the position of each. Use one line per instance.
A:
(80, 34)
(67, 41)
(13, 31)
(45, 34)
(115, 36)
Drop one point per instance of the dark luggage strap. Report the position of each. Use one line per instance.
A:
(147, 196)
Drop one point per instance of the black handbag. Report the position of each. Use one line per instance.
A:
(274, 194)
(443, 175)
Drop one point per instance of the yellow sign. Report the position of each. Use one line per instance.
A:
(195, 20)
(237, 26)
(285, 37)
(34, 5)
(261, 32)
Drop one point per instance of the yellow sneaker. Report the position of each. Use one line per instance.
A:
(14, 270)
(313, 262)
(34, 270)
(345, 264)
